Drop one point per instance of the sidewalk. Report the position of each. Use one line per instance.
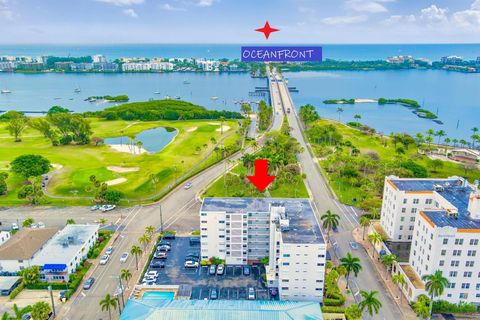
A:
(392, 288)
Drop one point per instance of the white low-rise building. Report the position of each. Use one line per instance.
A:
(4, 237)
(445, 233)
(245, 230)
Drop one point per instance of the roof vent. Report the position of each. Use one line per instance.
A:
(438, 187)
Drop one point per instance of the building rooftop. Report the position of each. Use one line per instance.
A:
(303, 225)
(25, 243)
(220, 310)
(422, 185)
(65, 244)
(441, 218)
(412, 276)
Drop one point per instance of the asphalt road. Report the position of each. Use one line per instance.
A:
(368, 278)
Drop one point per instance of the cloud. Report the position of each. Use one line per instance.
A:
(5, 10)
(434, 14)
(122, 3)
(399, 19)
(169, 7)
(468, 18)
(339, 20)
(370, 6)
(131, 13)
(205, 3)
(306, 10)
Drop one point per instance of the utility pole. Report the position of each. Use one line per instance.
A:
(161, 218)
(53, 303)
(121, 291)
(119, 306)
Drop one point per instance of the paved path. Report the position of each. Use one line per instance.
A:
(323, 200)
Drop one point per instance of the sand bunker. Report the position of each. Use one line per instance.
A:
(57, 166)
(128, 149)
(115, 181)
(225, 128)
(122, 169)
(192, 129)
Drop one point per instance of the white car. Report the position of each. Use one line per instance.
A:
(109, 250)
(152, 273)
(124, 257)
(251, 293)
(107, 207)
(104, 259)
(188, 185)
(41, 225)
(15, 226)
(191, 264)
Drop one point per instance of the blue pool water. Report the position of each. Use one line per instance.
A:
(154, 140)
(158, 295)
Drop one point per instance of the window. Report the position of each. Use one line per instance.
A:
(465, 285)
(441, 263)
(472, 253)
(454, 263)
(457, 253)
(467, 274)
(443, 252)
(410, 228)
(453, 274)
(403, 211)
(416, 201)
(452, 285)
(400, 237)
(401, 227)
(286, 255)
(412, 219)
(445, 241)
(286, 263)
(459, 242)
(410, 237)
(414, 210)
(284, 288)
(463, 295)
(474, 242)
(428, 201)
(469, 263)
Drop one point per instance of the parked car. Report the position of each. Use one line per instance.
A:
(246, 270)
(104, 259)
(353, 245)
(148, 282)
(164, 243)
(220, 269)
(251, 293)
(88, 283)
(155, 264)
(194, 241)
(213, 269)
(163, 248)
(191, 258)
(124, 257)
(168, 236)
(213, 294)
(152, 273)
(160, 255)
(195, 254)
(62, 295)
(34, 226)
(107, 207)
(109, 250)
(93, 208)
(41, 225)
(188, 185)
(15, 226)
(191, 264)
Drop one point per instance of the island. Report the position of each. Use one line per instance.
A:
(119, 98)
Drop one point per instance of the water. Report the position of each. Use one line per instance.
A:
(154, 140)
(455, 95)
(232, 51)
(38, 92)
(158, 295)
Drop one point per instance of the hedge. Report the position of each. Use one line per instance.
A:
(442, 306)
(17, 290)
(76, 279)
(103, 237)
(44, 285)
(335, 300)
(330, 309)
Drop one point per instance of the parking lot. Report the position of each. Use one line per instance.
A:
(231, 285)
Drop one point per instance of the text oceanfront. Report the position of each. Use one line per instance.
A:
(281, 53)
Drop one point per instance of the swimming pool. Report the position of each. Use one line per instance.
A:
(158, 295)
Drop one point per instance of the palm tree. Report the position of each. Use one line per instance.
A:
(419, 139)
(455, 141)
(400, 281)
(435, 284)
(357, 117)
(429, 140)
(17, 312)
(447, 141)
(365, 223)
(330, 221)
(150, 229)
(139, 146)
(145, 240)
(388, 260)
(40, 310)
(375, 238)
(430, 132)
(126, 275)
(70, 221)
(136, 251)
(440, 134)
(369, 302)
(108, 303)
(351, 264)
(463, 142)
(27, 222)
(339, 111)
(421, 307)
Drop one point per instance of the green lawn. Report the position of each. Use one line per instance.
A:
(232, 185)
(79, 162)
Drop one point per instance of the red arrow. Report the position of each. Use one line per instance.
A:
(261, 179)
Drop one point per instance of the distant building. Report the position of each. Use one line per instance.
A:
(441, 219)
(99, 58)
(35, 66)
(451, 59)
(4, 237)
(147, 66)
(465, 155)
(478, 60)
(7, 65)
(245, 230)
(105, 66)
(63, 65)
(400, 59)
(82, 66)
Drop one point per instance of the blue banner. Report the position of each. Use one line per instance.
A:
(281, 54)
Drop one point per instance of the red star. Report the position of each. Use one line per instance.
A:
(267, 30)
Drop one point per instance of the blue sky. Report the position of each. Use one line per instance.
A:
(233, 21)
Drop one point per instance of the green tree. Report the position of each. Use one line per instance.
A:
(388, 260)
(30, 275)
(435, 164)
(27, 222)
(370, 302)
(70, 221)
(40, 311)
(440, 134)
(32, 191)
(351, 264)
(136, 251)
(16, 125)
(144, 240)
(107, 304)
(435, 284)
(339, 111)
(45, 127)
(365, 222)
(399, 280)
(308, 114)
(353, 312)
(150, 230)
(330, 221)
(246, 108)
(125, 275)
(30, 165)
(375, 238)
(422, 307)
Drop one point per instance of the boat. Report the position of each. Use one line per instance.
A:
(77, 90)
(186, 82)
(4, 91)
(157, 92)
(172, 97)
(214, 98)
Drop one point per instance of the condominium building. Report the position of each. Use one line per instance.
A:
(444, 232)
(99, 58)
(147, 66)
(245, 230)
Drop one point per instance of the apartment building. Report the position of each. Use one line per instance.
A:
(147, 66)
(444, 231)
(245, 230)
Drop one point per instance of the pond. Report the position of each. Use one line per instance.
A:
(154, 140)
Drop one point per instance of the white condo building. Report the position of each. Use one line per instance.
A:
(441, 219)
(244, 230)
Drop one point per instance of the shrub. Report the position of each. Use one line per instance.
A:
(17, 290)
(329, 309)
(442, 306)
(44, 285)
